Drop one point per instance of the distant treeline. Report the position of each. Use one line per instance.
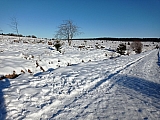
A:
(12, 34)
(124, 39)
(104, 38)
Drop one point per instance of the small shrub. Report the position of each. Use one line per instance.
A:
(136, 46)
(81, 46)
(22, 71)
(33, 36)
(42, 68)
(157, 47)
(37, 64)
(102, 47)
(16, 41)
(97, 46)
(68, 64)
(58, 45)
(121, 49)
(28, 36)
(50, 43)
(29, 71)
(2, 77)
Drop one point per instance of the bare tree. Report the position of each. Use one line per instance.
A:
(67, 30)
(14, 25)
(136, 46)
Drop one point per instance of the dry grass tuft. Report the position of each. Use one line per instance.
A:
(42, 69)
(29, 71)
(10, 76)
(50, 43)
(22, 71)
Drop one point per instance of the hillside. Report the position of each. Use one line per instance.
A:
(89, 82)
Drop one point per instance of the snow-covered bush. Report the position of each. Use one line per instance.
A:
(157, 47)
(121, 49)
(50, 43)
(136, 46)
(58, 45)
(33, 36)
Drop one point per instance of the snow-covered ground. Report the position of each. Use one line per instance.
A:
(79, 83)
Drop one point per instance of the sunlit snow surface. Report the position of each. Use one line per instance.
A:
(126, 87)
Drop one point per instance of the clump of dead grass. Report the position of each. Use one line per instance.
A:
(10, 76)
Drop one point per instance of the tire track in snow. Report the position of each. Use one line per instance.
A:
(146, 79)
(125, 101)
(87, 102)
(117, 71)
(58, 106)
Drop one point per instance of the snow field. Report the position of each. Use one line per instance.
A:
(52, 90)
(125, 87)
(20, 57)
(35, 55)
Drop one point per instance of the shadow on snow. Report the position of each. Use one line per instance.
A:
(144, 87)
(158, 58)
(141, 86)
(3, 84)
(40, 73)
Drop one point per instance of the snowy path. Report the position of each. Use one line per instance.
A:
(121, 88)
(131, 96)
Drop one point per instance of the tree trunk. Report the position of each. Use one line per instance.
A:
(69, 41)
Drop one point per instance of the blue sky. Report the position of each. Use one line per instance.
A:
(96, 18)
